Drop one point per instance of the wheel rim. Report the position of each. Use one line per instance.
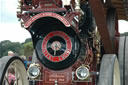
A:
(123, 59)
(116, 74)
(15, 73)
(109, 70)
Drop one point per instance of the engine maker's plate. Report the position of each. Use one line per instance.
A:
(56, 46)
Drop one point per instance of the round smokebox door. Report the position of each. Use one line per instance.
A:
(58, 50)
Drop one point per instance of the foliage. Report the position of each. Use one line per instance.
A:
(28, 40)
(124, 34)
(19, 49)
(7, 45)
(28, 49)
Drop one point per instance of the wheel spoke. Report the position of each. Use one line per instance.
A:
(7, 80)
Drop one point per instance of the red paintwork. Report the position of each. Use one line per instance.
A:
(47, 14)
(68, 46)
(63, 77)
(47, 8)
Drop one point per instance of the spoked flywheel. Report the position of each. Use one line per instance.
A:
(12, 71)
(109, 71)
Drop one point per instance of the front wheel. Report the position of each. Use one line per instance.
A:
(123, 59)
(109, 70)
(12, 71)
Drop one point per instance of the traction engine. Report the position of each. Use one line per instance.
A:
(72, 45)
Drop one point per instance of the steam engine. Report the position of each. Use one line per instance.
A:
(65, 39)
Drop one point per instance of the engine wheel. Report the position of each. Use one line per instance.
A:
(109, 71)
(12, 71)
(123, 59)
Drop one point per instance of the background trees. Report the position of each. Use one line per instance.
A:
(25, 48)
(28, 47)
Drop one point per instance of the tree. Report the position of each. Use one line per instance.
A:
(19, 49)
(7, 45)
(28, 40)
(124, 34)
(28, 49)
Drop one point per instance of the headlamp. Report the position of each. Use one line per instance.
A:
(82, 72)
(33, 71)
